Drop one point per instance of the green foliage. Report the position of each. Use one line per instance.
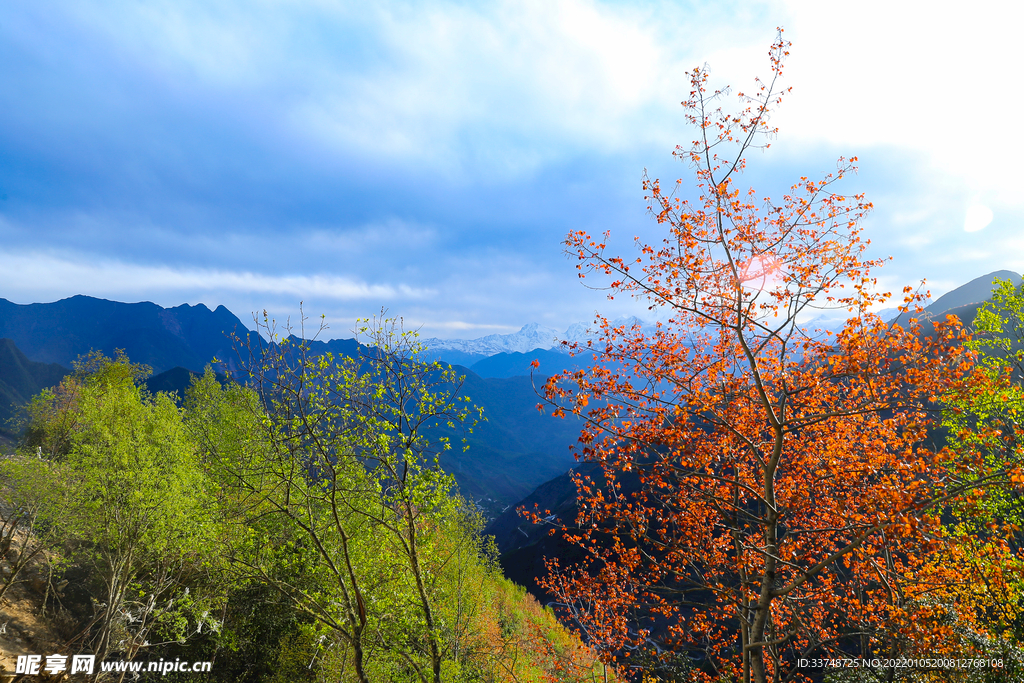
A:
(20, 380)
(984, 614)
(31, 509)
(330, 460)
(329, 468)
(985, 422)
(298, 527)
(130, 500)
(1000, 326)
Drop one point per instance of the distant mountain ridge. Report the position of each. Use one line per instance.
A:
(163, 338)
(512, 452)
(977, 291)
(964, 301)
(190, 336)
(527, 339)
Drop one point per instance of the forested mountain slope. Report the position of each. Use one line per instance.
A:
(20, 380)
(510, 452)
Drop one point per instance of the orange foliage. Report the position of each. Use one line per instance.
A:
(768, 492)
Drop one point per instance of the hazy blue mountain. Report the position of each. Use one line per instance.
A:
(163, 338)
(453, 357)
(551, 362)
(523, 545)
(510, 453)
(515, 449)
(963, 302)
(20, 380)
(516, 363)
(977, 291)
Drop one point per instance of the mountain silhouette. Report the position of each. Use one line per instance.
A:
(163, 338)
(20, 380)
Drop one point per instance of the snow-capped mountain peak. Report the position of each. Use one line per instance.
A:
(529, 337)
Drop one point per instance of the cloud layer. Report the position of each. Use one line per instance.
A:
(431, 156)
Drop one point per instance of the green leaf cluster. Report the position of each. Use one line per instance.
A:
(122, 502)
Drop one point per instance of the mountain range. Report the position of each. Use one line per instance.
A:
(163, 338)
(511, 453)
(965, 300)
(529, 338)
(20, 380)
(516, 450)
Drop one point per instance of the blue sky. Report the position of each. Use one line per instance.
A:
(431, 156)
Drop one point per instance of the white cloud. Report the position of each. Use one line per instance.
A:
(507, 84)
(471, 95)
(977, 218)
(499, 81)
(387, 237)
(932, 77)
(512, 84)
(47, 275)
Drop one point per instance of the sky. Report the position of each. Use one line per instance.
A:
(430, 157)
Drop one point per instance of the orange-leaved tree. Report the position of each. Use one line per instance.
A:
(767, 491)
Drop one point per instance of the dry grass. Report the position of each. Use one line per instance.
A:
(24, 628)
